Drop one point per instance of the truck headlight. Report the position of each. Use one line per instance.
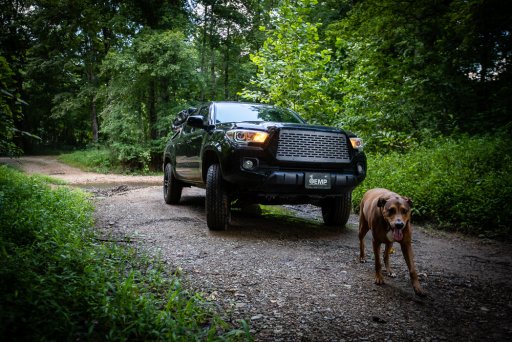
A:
(246, 136)
(357, 143)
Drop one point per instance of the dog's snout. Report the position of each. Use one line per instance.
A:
(399, 224)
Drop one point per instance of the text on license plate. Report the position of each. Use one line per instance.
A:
(318, 180)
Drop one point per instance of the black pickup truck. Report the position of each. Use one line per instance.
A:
(247, 153)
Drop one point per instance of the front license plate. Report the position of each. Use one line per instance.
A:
(318, 180)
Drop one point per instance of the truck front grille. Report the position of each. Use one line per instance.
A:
(312, 146)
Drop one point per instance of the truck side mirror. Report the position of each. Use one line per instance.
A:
(195, 121)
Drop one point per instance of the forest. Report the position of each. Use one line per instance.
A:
(426, 83)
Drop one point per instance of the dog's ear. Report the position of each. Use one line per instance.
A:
(381, 202)
(408, 200)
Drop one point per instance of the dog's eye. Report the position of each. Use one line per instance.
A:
(391, 211)
(404, 211)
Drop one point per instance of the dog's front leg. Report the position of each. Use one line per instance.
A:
(363, 229)
(409, 260)
(387, 252)
(379, 280)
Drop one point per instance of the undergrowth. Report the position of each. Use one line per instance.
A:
(102, 160)
(463, 184)
(58, 282)
(94, 159)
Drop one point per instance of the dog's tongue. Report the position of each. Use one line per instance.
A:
(398, 234)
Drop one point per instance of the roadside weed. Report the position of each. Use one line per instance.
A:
(58, 282)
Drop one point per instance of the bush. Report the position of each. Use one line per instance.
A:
(464, 183)
(58, 283)
(104, 160)
(93, 159)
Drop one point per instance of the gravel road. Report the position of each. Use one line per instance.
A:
(293, 279)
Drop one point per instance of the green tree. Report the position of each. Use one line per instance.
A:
(53, 48)
(395, 72)
(10, 108)
(73, 38)
(149, 79)
(379, 54)
(293, 64)
(478, 46)
(14, 41)
(225, 33)
(417, 68)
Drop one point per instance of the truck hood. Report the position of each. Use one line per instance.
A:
(273, 126)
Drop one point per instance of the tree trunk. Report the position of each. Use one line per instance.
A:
(226, 66)
(203, 50)
(94, 121)
(153, 134)
(212, 64)
(94, 115)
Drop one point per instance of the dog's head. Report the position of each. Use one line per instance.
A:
(396, 210)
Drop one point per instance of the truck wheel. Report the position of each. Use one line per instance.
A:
(336, 210)
(172, 186)
(218, 212)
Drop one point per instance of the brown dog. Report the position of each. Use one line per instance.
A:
(388, 215)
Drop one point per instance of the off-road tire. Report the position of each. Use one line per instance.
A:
(336, 210)
(218, 205)
(172, 186)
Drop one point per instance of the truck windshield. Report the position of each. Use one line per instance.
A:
(238, 112)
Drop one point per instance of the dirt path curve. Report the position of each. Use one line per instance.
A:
(49, 165)
(296, 280)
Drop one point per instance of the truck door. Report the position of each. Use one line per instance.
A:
(188, 150)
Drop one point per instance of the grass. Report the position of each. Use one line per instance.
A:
(288, 215)
(96, 160)
(101, 160)
(53, 266)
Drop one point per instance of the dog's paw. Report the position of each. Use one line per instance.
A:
(379, 280)
(420, 292)
(391, 274)
(362, 260)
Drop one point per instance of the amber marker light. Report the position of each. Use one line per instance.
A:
(357, 143)
(260, 137)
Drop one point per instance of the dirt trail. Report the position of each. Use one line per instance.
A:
(296, 280)
(49, 165)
